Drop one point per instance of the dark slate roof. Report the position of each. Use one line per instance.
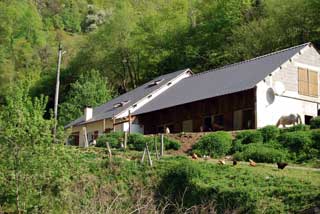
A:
(107, 110)
(225, 80)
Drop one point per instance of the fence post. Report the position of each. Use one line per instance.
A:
(109, 150)
(149, 156)
(161, 146)
(144, 153)
(125, 139)
(156, 147)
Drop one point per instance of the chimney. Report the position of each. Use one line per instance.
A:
(88, 113)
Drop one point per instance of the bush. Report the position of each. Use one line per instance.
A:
(249, 136)
(315, 123)
(214, 144)
(170, 143)
(237, 146)
(299, 127)
(261, 153)
(114, 139)
(315, 136)
(138, 141)
(269, 133)
(296, 141)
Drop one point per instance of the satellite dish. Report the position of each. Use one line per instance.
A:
(270, 96)
(279, 88)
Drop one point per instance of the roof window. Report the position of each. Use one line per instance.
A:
(154, 83)
(120, 104)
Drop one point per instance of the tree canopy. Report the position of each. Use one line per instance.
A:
(129, 42)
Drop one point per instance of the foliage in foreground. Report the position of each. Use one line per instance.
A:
(84, 180)
(241, 190)
(27, 155)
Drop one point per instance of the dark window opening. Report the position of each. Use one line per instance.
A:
(307, 119)
(74, 139)
(248, 119)
(207, 124)
(95, 135)
(108, 130)
(218, 122)
(160, 129)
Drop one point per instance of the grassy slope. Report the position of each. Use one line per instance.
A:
(84, 181)
(263, 187)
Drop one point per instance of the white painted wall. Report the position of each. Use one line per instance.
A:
(293, 102)
(269, 114)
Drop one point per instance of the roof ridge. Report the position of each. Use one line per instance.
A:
(252, 59)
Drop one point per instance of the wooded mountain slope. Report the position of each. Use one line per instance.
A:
(130, 41)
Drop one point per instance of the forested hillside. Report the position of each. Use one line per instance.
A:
(128, 42)
(112, 46)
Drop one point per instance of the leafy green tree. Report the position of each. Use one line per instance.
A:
(20, 35)
(89, 90)
(24, 133)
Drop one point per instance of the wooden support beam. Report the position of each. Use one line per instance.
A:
(125, 140)
(85, 135)
(121, 122)
(114, 124)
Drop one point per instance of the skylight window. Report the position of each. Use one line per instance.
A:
(120, 104)
(156, 82)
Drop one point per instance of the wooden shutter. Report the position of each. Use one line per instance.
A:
(313, 83)
(303, 81)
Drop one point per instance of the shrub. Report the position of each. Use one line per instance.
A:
(114, 139)
(171, 143)
(315, 123)
(249, 136)
(237, 146)
(214, 144)
(261, 153)
(269, 133)
(138, 141)
(315, 136)
(296, 141)
(299, 127)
